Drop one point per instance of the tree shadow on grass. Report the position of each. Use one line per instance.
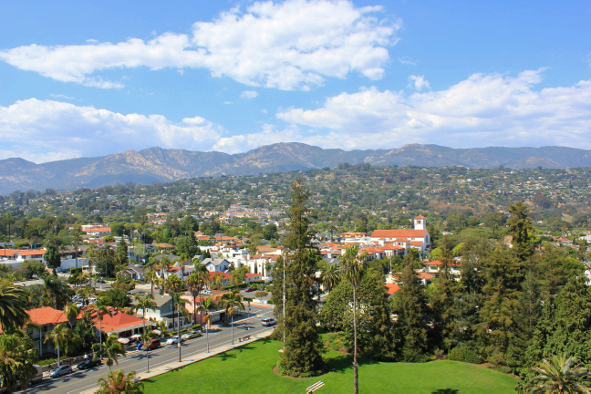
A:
(445, 391)
(342, 363)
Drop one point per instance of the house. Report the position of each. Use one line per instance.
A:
(252, 277)
(15, 257)
(134, 271)
(392, 288)
(119, 323)
(219, 278)
(418, 237)
(434, 268)
(95, 230)
(217, 264)
(47, 318)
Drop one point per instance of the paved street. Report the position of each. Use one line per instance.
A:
(138, 361)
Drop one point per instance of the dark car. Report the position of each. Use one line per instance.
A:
(249, 289)
(89, 363)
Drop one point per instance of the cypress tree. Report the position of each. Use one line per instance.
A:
(302, 348)
(410, 303)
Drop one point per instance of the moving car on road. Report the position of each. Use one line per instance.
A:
(191, 335)
(90, 363)
(60, 371)
(268, 321)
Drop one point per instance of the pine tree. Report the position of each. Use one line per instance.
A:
(443, 308)
(521, 228)
(410, 303)
(302, 348)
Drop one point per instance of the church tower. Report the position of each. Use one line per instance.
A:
(420, 223)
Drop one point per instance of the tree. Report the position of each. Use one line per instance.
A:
(195, 284)
(145, 301)
(12, 306)
(232, 301)
(52, 253)
(106, 261)
(560, 374)
(118, 382)
(62, 338)
(521, 228)
(111, 349)
(206, 306)
(302, 348)
(352, 268)
(56, 292)
(410, 303)
(101, 309)
(17, 359)
(331, 276)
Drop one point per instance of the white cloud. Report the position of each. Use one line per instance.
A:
(268, 135)
(249, 94)
(484, 110)
(295, 44)
(407, 61)
(419, 82)
(42, 130)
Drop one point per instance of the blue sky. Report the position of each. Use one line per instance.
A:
(83, 78)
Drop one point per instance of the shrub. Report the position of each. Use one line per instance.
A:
(463, 354)
(196, 327)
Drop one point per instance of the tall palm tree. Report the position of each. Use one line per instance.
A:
(331, 276)
(232, 301)
(218, 279)
(101, 309)
(118, 382)
(17, 359)
(56, 292)
(35, 326)
(561, 375)
(111, 349)
(352, 267)
(206, 306)
(12, 305)
(145, 301)
(72, 312)
(180, 309)
(195, 283)
(61, 336)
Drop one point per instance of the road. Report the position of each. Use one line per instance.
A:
(138, 360)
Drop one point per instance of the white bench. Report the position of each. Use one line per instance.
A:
(315, 386)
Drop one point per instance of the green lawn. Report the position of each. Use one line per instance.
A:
(249, 369)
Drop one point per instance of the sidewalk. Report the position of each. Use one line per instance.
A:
(193, 359)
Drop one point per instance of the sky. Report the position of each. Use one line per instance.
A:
(87, 78)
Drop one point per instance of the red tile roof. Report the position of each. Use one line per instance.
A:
(425, 275)
(224, 274)
(392, 288)
(46, 315)
(251, 275)
(420, 217)
(398, 233)
(117, 321)
(25, 252)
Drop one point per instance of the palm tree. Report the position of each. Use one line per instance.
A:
(561, 375)
(72, 311)
(12, 305)
(56, 292)
(206, 306)
(180, 308)
(218, 279)
(331, 276)
(145, 301)
(232, 301)
(101, 310)
(61, 336)
(195, 283)
(352, 267)
(111, 349)
(17, 359)
(35, 326)
(118, 382)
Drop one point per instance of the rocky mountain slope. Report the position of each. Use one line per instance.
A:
(165, 165)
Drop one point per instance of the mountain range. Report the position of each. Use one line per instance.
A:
(167, 165)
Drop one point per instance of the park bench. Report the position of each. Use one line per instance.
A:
(315, 386)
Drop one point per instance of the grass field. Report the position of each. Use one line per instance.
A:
(249, 369)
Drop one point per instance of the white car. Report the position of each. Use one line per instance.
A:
(172, 341)
(268, 321)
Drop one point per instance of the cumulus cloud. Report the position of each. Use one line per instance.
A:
(483, 110)
(418, 82)
(295, 44)
(249, 94)
(44, 130)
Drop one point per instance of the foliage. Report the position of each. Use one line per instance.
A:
(561, 374)
(17, 359)
(12, 306)
(464, 354)
(119, 382)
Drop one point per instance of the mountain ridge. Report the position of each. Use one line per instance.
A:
(166, 165)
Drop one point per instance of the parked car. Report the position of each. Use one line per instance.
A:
(206, 291)
(172, 340)
(38, 376)
(60, 371)
(153, 344)
(268, 321)
(249, 289)
(191, 334)
(90, 363)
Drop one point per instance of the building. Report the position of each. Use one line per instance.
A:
(418, 237)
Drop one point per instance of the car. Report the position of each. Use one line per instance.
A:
(191, 335)
(206, 291)
(101, 280)
(60, 371)
(153, 344)
(89, 363)
(249, 289)
(268, 321)
(172, 340)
